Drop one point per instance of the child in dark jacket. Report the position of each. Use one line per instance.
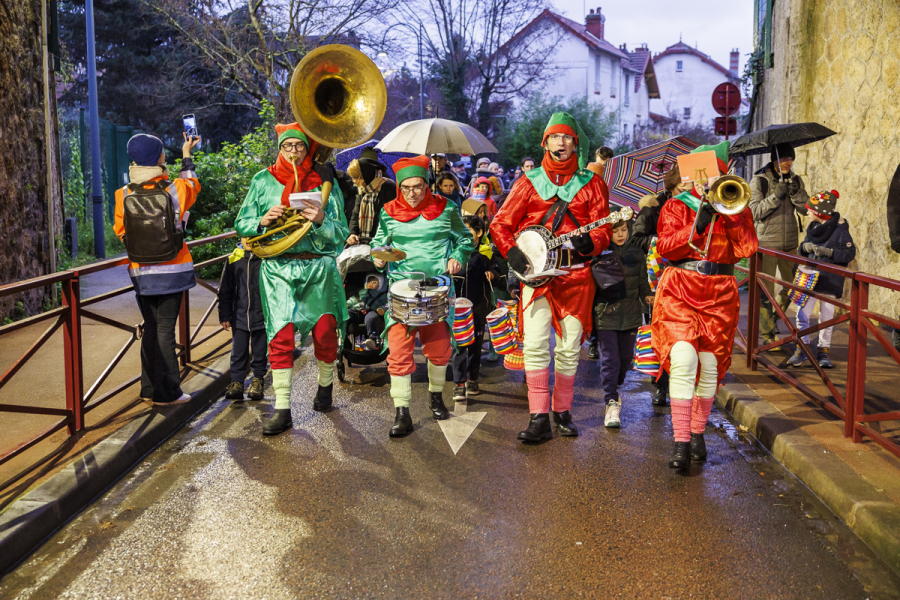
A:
(827, 240)
(618, 307)
(369, 309)
(473, 284)
(240, 310)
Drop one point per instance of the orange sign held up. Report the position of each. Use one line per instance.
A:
(700, 166)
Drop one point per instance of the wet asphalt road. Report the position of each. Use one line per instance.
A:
(335, 509)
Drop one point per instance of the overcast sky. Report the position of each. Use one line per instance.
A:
(715, 26)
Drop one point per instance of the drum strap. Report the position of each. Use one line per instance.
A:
(561, 209)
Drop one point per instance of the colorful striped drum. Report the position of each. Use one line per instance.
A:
(463, 322)
(645, 359)
(805, 278)
(515, 360)
(502, 333)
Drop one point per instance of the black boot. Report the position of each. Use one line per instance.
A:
(593, 351)
(564, 425)
(280, 421)
(660, 391)
(255, 391)
(681, 458)
(438, 409)
(698, 447)
(538, 428)
(403, 424)
(323, 398)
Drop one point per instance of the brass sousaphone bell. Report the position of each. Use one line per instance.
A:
(728, 195)
(338, 97)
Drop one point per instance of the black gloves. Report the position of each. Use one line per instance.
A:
(583, 243)
(782, 188)
(794, 186)
(517, 260)
(823, 251)
(706, 215)
(807, 247)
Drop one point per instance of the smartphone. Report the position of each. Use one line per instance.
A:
(190, 126)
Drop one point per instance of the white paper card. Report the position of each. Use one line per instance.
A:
(296, 199)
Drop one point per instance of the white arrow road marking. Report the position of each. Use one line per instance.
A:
(460, 426)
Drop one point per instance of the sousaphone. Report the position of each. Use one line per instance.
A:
(338, 97)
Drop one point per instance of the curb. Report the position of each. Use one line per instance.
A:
(34, 517)
(869, 513)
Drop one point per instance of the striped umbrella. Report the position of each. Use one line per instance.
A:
(635, 174)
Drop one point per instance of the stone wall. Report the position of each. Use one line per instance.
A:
(24, 242)
(837, 62)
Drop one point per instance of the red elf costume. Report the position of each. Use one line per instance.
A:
(696, 309)
(563, 196)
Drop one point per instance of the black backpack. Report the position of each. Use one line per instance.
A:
(151, 236)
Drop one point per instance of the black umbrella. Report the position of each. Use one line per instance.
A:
(796, 134)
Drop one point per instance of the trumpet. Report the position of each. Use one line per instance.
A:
(728, 195)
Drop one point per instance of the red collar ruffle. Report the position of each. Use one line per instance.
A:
(430, 208)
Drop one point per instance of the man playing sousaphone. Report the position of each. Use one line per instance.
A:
(301, 289)
(430, 231)
(563, 196)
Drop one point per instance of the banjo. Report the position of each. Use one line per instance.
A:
(541, 247)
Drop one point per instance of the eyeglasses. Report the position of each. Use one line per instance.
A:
(560, 137)
(412, 190)
(299, 146)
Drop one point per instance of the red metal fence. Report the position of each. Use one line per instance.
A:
(69, 317)
(850, 406)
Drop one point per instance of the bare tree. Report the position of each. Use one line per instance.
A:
(255, 44)
(483, 52)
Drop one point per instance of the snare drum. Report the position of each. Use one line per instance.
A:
(415, 307)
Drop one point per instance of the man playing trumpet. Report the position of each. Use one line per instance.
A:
(696, 308)
(301, 289)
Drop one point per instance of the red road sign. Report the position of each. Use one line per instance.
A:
(720, 126)
(726, 99)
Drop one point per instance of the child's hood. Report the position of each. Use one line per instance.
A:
(382, 284)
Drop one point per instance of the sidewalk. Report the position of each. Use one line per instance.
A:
(859, 482)
(41, 381)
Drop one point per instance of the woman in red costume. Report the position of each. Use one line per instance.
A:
(697, 306)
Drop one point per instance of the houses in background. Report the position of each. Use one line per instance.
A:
(648, 93)
(687, 78)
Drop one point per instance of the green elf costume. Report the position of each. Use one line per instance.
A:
(431, 233)
(561, 195)
(301, 289)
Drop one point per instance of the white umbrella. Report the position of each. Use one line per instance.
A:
(430, 136)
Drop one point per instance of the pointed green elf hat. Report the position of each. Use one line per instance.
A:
(563, 122)
(721, 151)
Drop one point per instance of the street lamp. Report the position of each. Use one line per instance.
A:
(418, 35)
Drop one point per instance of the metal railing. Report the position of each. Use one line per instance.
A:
(851, 405)
(69, 317)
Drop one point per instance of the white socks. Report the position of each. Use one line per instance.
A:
(326, 373)
(401, 390)
(281, 381)
(436, 377)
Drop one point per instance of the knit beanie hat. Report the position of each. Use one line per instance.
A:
(721, 151)
(782, 150)
(563, 122)
(291, 130)
(416, 166)
(145, 149)
(823, 204)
